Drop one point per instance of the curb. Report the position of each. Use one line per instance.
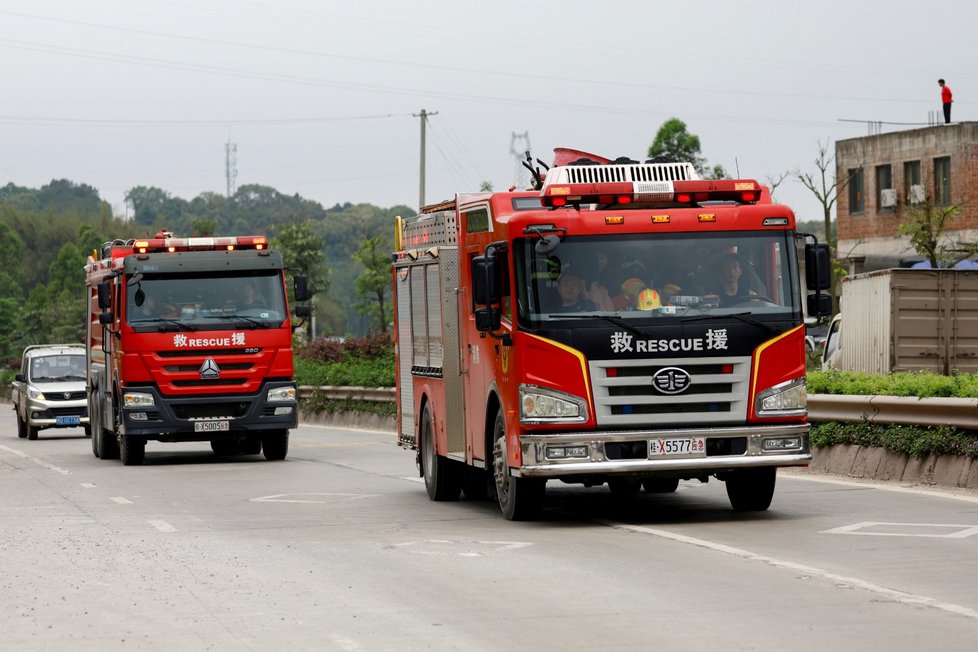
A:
(869, 463)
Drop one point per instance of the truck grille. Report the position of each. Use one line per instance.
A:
(625, 396)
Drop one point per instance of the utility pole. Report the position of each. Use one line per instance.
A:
(230, 166)
(520, 156)
(424, 119)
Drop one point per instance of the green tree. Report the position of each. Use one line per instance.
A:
(374, 284)
(673, 141)
(302, 251)
(926, 227)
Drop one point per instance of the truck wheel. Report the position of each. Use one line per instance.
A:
(132, 450)
(440, 474)
(275, 444)
(660, 485)
(105, 443)
(751, 490)
(21, 428)
(520, 499)
(624, 486)
(32, 432)
(250, 446)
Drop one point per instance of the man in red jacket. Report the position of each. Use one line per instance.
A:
(946, 99)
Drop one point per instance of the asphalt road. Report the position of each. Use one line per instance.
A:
(339, 548)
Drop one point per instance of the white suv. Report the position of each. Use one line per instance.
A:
(49, 391)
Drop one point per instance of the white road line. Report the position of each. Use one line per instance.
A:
(853, 582)
(120, 500)
(954, 493)
(344, 428)
(960, 531)
(36, 460)
(162, 526)
(87, 485)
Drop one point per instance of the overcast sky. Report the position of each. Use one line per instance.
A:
(320, 97)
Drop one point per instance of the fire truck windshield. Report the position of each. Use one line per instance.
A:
(642, 276)
(205, 301)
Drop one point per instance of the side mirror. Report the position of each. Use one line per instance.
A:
(20, 378)
(106, 318)
(488, 319)
(303, 311)
(485, 280)
(104, 295)
(819, 305)
(818, 267)
(301, 287)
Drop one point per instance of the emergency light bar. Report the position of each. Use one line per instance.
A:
(172, 245)
(640, 183)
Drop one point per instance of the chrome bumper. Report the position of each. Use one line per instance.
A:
(537, 464)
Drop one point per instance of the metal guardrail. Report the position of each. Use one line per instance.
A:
(892, 410)
(895, 410)
(337, 393)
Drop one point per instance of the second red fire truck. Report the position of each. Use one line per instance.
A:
(626, 323)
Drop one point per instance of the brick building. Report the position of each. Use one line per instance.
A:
(891, 174)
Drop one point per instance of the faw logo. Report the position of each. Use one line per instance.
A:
(671, 380)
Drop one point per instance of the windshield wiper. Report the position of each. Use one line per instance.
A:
(254, 322)
(742, 316)
(162, 321)
(614, 319)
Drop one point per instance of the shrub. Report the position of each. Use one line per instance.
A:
(919, 384)
(914, 441)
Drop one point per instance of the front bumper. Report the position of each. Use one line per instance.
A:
(57, 414)
(627, 452)
(175, 418)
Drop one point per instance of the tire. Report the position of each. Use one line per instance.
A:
(441, 478)
(132, 450)
(88, 430)
(624, 486)
(275, 445)
(661, 485)
(224, 447)
(520, 499)
(21, 428)
(104, 443)
(751, 490)
(32, 432)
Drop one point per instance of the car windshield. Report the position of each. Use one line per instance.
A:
(57, 368)
(205, 302)
(643, 276)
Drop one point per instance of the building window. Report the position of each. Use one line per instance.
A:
(885, 194)
(857, 199)
(912, 188)
(942, 181)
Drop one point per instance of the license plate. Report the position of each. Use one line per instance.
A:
(211, 426)
(67, 421)
(678, 446)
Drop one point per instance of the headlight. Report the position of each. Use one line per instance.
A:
(540, 405)
(35, 394)
(137, 400)
(279, 394)
(785, 399)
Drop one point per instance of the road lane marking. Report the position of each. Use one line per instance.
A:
(87, 485)
(35, 460)
(458, 548)
(901, 597)
(120, 500)
(162, 526)
(959, 532)
(954, 493)
(323, 498)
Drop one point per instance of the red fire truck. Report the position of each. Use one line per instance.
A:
(189, 339)
(625, 323)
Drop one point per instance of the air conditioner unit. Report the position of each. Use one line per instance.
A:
(917, 194)
(888, 198)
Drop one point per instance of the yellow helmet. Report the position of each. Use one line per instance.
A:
(648, 299)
